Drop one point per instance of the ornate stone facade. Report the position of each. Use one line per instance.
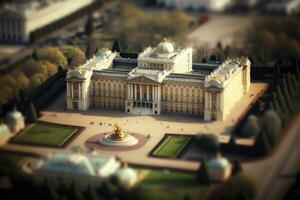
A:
(160, 80)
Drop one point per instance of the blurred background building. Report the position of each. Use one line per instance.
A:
(288, 7)
(19, 18)
(215, 5)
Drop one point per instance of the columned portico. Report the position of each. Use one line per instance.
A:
(141, 97)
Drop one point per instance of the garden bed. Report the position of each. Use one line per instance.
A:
(46, 134)
(171, 146)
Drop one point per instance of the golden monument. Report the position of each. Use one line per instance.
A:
(118, 133)
(118, 138)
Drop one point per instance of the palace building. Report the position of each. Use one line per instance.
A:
(160, 80)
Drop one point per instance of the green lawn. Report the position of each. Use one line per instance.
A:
(172, 146)
(45, 134)
(172, 185)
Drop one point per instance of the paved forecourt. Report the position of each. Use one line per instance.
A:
(97, 120)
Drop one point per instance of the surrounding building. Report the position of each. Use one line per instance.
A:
(84, 167)
(288, 7)
(15, 121)
(126, 176)
(79, 164)
(219, 168)
(19, 19)
(160, 80)
(213, 5)
(5, 133)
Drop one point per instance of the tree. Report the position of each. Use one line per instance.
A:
(273, 38)
(36, 81)
(219, 46)
(50, 191)
(186, 197)
(237, 167)
(144, 28)
(271, 125)
(91, 193)
(74, 54)
(251, 127)
(150, 2)
(282, 100)
(89, 26)
(50, 67)
(23, 81)
(32, 114)
(287, 94)
(208, 142)
(88, 52)
(231, 144)
(292, 88)
(53, 55)
(258, 107)
(261, 146)
(239, 187)
(203, 173)
(75, 192)
(213, 58)
(116, 46)
(275, 102)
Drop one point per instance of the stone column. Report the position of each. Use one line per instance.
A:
(209, 98)
(68, 89)
(155, 93)
(159, 93)
(128, 93)
(141, 94)
(131, 91)
(148, 93)
(152, 86)
(135, 92)
(72, 90)
(83, 92)
(79, 93)
(217, 100)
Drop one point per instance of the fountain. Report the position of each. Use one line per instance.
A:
(118, 138)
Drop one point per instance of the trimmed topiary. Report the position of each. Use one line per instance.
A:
(239, 187)
(251, 127)
(261, 146)
(203, 174)
(208, 142)
(237, 167)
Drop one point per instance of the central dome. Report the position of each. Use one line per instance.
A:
(165, 47)
(218, 163)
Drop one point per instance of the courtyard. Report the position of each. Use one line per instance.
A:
(98, 120)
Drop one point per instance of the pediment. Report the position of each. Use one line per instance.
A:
(142, 79)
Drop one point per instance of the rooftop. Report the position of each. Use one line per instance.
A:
(77, 163)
